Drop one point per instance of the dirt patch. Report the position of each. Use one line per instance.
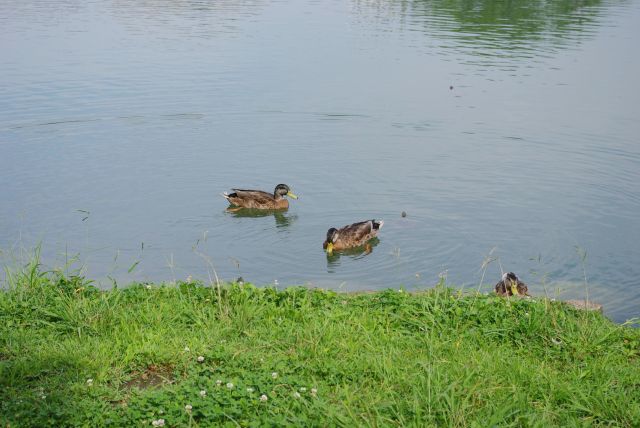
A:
(154, 376)
(585, 305)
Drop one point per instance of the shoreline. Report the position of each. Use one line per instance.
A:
(74, 355)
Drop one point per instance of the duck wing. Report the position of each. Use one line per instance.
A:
(358, 233)
(523, 290)
(251, 194)
(251, 199)
(502, 289)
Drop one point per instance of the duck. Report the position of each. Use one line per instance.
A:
(258, 199)
(511, 285)
(350, 236)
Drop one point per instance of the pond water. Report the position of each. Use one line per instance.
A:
(507, 131)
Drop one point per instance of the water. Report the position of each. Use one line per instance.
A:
(508, 131)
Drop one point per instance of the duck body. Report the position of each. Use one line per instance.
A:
(258, 199)
(353, 235)
(511, 285)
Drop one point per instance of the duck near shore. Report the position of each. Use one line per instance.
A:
(511, 285)
(353, 235)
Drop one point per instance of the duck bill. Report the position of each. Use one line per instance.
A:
(330, 248)
(291, 195)
(514, 289)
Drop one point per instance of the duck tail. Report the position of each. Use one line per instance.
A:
(377, 224)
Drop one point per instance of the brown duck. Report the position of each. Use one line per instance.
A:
(353, 235)
(258, 199)
(511, 285)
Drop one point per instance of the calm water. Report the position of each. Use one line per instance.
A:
(504, 129)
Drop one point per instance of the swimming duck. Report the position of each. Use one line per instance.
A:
(353, 235)
(511, 285)
(261, 200)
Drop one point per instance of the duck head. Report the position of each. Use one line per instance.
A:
(332, 236)
(283, 190)
(510, 280)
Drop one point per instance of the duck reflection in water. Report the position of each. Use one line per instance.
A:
(281, 217)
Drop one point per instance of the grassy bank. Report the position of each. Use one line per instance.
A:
(71, 355)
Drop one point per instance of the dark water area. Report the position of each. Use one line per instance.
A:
(507, 131)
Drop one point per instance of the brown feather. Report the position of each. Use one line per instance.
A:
(256, 199)
(355, 235)
(503, 288)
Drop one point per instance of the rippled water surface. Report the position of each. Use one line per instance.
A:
(507, 131)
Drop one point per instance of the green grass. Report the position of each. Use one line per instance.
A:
(381, 359)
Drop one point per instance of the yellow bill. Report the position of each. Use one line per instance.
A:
(514, 288)
(291, 195)
(330, 248)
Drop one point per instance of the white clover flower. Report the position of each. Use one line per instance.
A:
(230, 385)
(314, 391)
(303, 389)
(186, 349)
(250, 390)
(188, 407)
(200, 359)
(43, 397)
(148, 286)
(263, 397)
(274, 375)
(203, 393)
(218, 382)
(89, 382)
(296, 395)
(189, 279)
(158, 423)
